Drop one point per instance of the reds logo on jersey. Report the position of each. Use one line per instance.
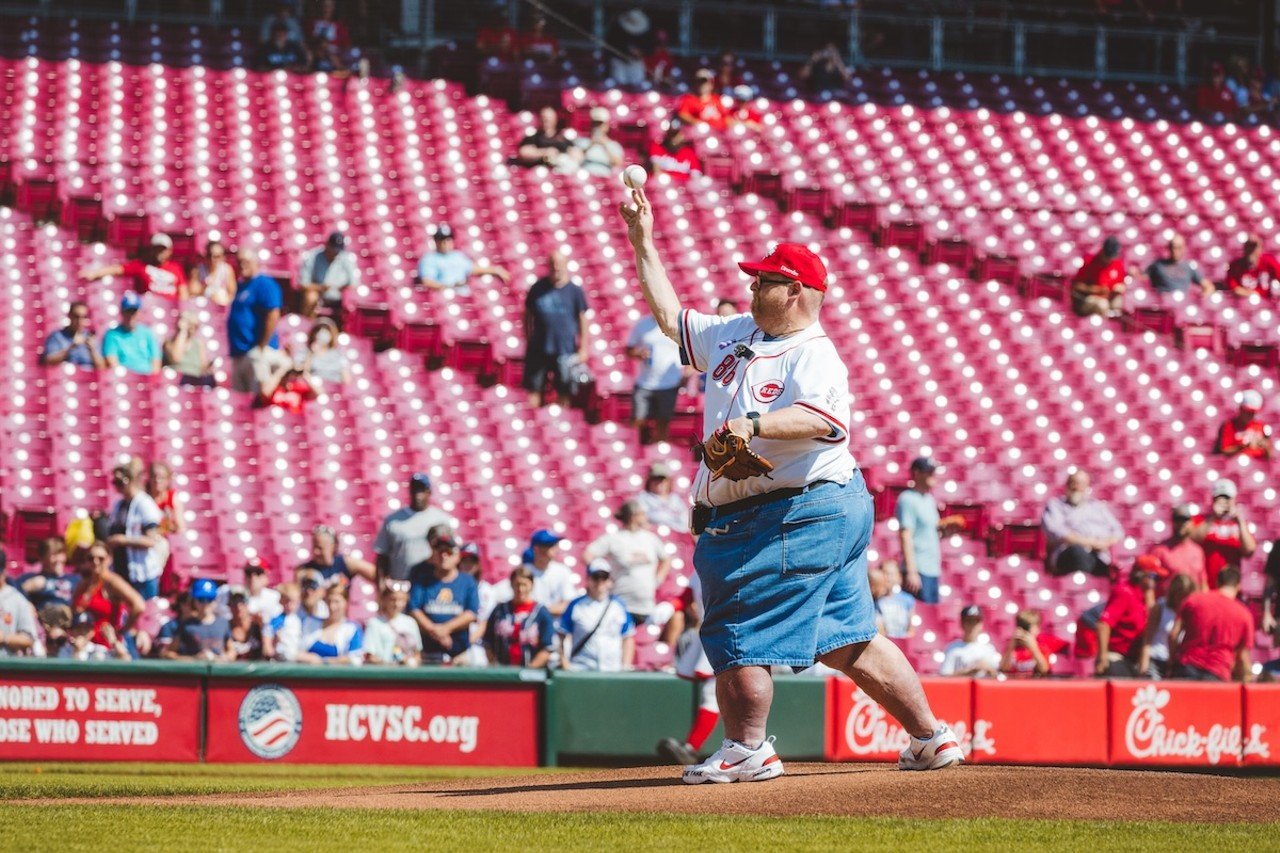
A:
(767, 391)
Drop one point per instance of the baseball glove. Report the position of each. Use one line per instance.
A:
(727, 455)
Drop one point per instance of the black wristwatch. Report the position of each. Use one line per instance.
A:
(755, 424)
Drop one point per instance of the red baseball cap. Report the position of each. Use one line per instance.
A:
(795, 262)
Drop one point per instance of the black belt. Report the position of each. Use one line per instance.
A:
(762, 499)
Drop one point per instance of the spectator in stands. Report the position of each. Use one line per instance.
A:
(333, 566)
(555, 329)
(105, 594)
(282, 634)
(520, 632)
(825, 71)
(139, 550)
(637, 560)
(401, 542)
(703, 104)
(973, 656)
(325, 59)
(549, 145)
(262, 601)
(1245, 434)
(554, 583)
(727, 308)
(1254, 271)
(55, 622)
(325, 273)
(601, 155)
(894, 605)
(283, 52)
(338, 639)
(1122, 624)
(214, 277)
(246, 630)
(497, 39)
(1237, 80)
(18, 632)
(153, 271)
(1079, 531)
(322, 358)
(1030, 652)
(325, 28)
(658, 380)
(659, 501)
(674, 155)
(313, 609)
(1213, 635)
(537, 44)
(444, 603)
(658, 63)
(1213, 98)
(391, 636)
(1180, 554)
(159, 485)
(631, 40)
(1223, 532)
(251, 327)
(920, 529)
(744, 111)
(204, 635)
(449, 268)
(288, 388)
(73, 343)
(1154, 662)
(82, 646)
(1098, 286)
(284, 15)
(598, 633)
(186, 353)
(727, 75)
(51, 584)
(1174, 273)
(131, 344)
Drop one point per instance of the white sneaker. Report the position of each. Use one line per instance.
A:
(941, 750)
(733, 762)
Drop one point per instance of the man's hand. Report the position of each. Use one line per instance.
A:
(911, 581)
(1101, 666)
(742, 427)
(639, 218)
(1268, 623)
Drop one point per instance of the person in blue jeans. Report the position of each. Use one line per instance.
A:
(920, 530)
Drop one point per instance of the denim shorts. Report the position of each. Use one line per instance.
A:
(785, 583)
(928, 593)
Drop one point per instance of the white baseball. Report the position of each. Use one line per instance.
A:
(634, 176)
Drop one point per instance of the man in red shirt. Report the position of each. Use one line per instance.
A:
(1180, 554)
(153, 271)
(703, 104)
(1254, 271)
(1122, 625)
(1213, 634)
(1098, 286)
(1223, 532)
(1245, 434)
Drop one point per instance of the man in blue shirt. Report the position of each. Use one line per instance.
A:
(131, 344)
(444, 602)
(251, 327)
(204, 635)
(74, 343)
(555, 327)
(448, 268)
(919, 530)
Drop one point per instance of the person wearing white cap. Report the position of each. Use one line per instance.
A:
(703, 105)
(1223, 532)
(153, 271)
(597, 633)
(631, 40)
(1245, 434)
(601, 154)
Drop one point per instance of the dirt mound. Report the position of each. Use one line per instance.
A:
(859, 790)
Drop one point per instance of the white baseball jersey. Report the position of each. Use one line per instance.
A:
(747, 371)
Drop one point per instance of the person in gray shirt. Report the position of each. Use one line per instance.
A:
(1080, 531)
(17, 618)
(401, 542)
(1174, 273)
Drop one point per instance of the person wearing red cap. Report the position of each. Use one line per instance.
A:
(782, 559)
(1255, 271)
(1245, 434)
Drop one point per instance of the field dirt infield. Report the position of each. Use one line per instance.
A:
(850, 790)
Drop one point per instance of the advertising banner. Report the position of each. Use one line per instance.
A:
(335, 722)
(1176, 723)
(1042, 722)
(1262, 724)
(864, 731)
(76, 717)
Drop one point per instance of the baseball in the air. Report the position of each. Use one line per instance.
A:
(634, 176)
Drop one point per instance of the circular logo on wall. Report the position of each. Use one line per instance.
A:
(270, 720)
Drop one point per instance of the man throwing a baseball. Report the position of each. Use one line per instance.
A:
(783, 512)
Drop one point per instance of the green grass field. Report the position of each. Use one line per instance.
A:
(34, 827)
